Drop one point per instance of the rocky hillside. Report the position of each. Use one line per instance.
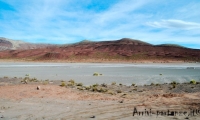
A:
(8, 44)
(121, 50)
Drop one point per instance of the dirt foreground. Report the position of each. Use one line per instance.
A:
(51, 101)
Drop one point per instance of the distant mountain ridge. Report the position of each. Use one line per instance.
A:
(9, 44)
(125, 49)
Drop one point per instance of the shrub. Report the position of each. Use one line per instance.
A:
(173, 85)
(62, 84)
(79, 84)
(110, 92)
(5, 77)
(193, 82)
(69, 84)
(135, 89)
(96, 74)
(174, 82)
(95, 85)
(31, 79)
(45, 82)
(94, 89)
(104, 85)
(26, 78)
(113, 83)
(72, 82)
(120, 84)
(132, 84)
(87, 87)
(79, 88)
(102, 90)
(119, 91)
(157, 84)
(152, 83)
(27, 75)
(35, 79)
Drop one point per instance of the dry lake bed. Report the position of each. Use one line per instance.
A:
(121, 73)
(142, 101)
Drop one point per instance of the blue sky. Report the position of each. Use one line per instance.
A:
(70, 21)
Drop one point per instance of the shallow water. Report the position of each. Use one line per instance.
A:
(120, 73)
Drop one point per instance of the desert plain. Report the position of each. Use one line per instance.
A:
(69, 99)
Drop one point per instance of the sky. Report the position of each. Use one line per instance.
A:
(71, 21)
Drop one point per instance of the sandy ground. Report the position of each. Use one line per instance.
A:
(24, 101)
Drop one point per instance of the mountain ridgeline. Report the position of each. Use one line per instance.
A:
(116, 50)
(8, 44)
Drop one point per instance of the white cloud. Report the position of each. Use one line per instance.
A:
(70, 21)
(178, 24)
(120, 11)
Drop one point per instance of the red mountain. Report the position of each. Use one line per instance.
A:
(119, 50)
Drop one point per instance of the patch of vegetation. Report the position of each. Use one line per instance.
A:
(27, 75)
(113, 83)
(173, 82)
(173, 85)
(157, 84)
(5, 77)
(63, 84)
(152, 84)
(120, 84)
(119, 91)
(79, 84)
(69, 84)
(110, 92)
(72, 82)
(95, 85)
(27, 79)
(97, 74)
(193, 82)
(94, 88)
(45, 82)
(124, 95)
(103, 90)
(80, 88)
(87, 87)
(33, 80)
(104, 85)
(135, 89)
(132, 84)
